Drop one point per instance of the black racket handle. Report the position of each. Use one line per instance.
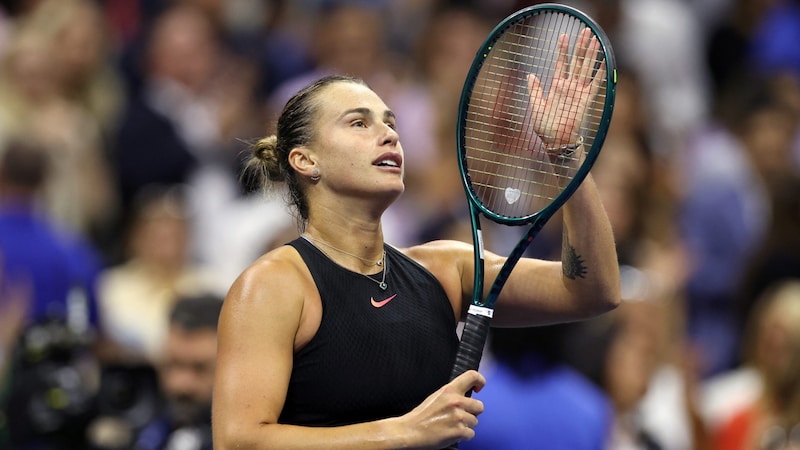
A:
(470, 350)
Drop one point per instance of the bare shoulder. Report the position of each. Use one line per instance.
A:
(446, 259)
(271, 279)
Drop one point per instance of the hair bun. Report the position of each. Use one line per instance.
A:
(266, 151)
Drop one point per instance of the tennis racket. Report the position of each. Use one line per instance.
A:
(533, 115)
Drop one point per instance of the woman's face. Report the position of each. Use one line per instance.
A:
(356, 147)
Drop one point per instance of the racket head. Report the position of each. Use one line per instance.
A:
(506, 170)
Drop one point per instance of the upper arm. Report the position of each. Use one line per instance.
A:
(256, 339)
(534, 293)
(533, 288)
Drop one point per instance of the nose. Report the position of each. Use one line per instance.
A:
(391, 137)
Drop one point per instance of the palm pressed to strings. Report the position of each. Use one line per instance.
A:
(557, 116)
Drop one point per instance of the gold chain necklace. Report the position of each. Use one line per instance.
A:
(380, 263)
(368, 261)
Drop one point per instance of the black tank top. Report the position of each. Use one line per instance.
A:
(377, 353)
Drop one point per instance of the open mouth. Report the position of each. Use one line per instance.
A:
(389, 160)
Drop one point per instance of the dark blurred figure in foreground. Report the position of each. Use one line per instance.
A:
(185, 375)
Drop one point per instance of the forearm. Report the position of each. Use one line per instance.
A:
(381, 434)
(590, 269)
(443, 418)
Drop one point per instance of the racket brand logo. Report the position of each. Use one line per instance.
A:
(381, 303)
(512, 195)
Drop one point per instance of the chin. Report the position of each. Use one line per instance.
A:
(398, 191)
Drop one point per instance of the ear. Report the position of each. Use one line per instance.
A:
(302, 161)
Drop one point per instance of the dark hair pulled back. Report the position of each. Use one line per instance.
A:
(269, 160)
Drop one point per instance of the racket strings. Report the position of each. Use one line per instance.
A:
(509, 167)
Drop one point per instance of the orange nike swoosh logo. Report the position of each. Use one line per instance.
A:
(382, 302)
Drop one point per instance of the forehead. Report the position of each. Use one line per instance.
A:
(339, 97)
(191, 344)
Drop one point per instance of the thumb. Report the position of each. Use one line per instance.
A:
(469, 380)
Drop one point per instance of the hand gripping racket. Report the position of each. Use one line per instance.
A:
(533, 115)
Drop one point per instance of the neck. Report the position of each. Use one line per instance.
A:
(358, 249)
(351, 225)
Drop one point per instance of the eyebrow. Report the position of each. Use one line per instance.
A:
(388, 114)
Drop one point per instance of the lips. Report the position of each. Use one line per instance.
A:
(389, 159)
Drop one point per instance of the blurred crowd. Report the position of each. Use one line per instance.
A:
(125, 216)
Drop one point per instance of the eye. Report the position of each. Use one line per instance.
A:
(392, 125)
(360, 123)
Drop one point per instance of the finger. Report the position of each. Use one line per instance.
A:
(579, 52)
(471, 421)
(594, 56)
(591, 55)
(469, 380)
(473, 406)
(590, 59)
(534, 90)
(597, 81)
(562, 62)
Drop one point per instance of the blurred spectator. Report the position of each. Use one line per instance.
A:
(657, 39)
(186, 374)
(48, 303)
(637, 354)
(729, 172)
(136, 295)
(636, 186)
(269, 32)
(35, 102)
(348, 38)
(728, 43)
(83, 59)
(162, 122)
(534, 399)
(770, 418)
(180, 417)
(754, 38)
(61, 268)
(778, 257)
(652, 375)
(186, 123)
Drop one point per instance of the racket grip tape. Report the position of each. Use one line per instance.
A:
(470, 350)
(473, 339)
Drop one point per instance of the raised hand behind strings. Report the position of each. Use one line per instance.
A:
(558, 115)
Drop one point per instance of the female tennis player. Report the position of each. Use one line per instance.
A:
(340, 341)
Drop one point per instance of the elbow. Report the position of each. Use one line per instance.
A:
(609, 293)
(596, 302)
(610, 302)
(230, 436)
(607, 298)
(603, 303)
(241, 435)
(224, 437)
(611, 296)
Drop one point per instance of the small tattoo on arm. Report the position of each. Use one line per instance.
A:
(572, 264)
